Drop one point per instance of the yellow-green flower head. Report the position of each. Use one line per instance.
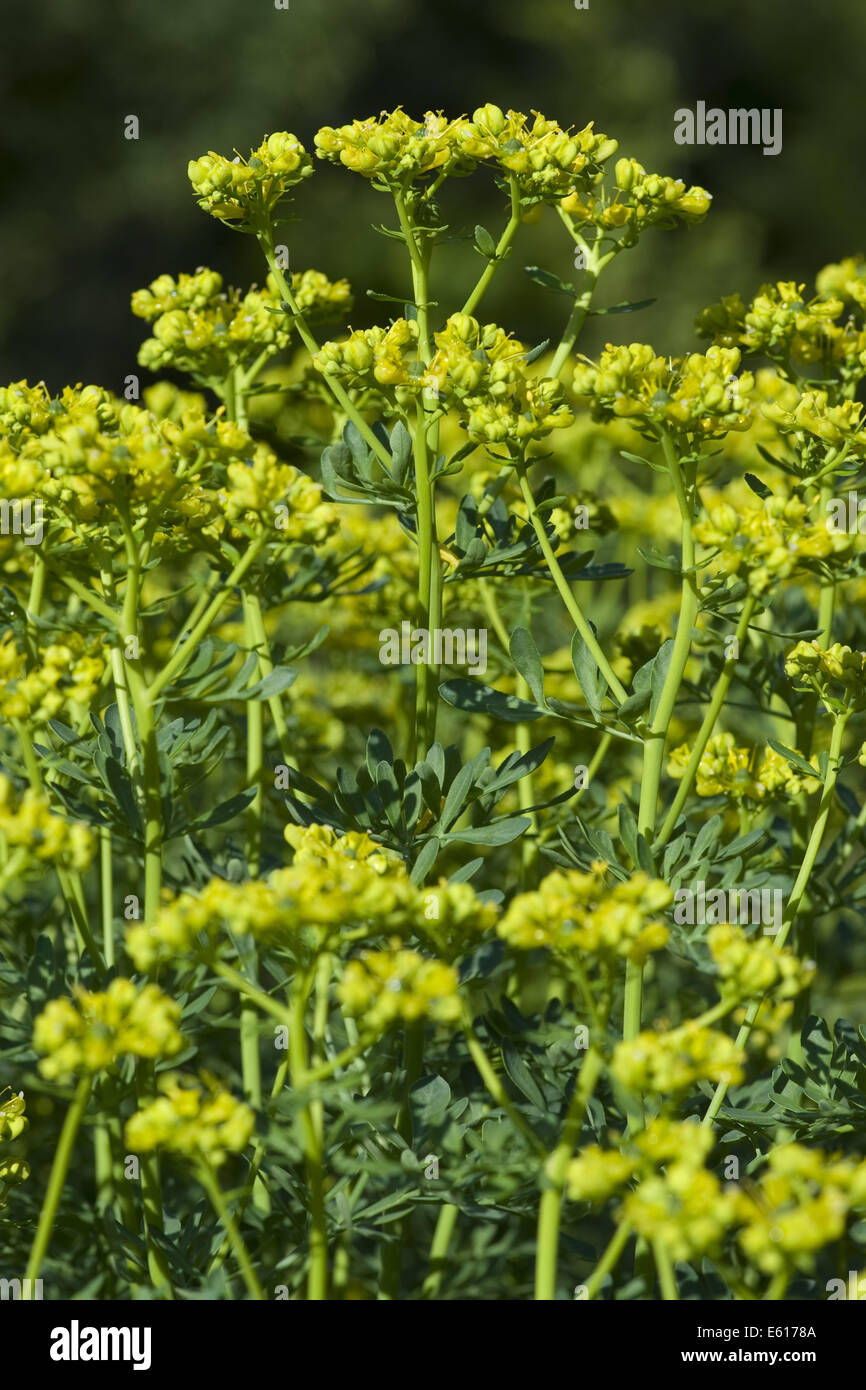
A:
(27, 822)
(336, 884)
(203, 331)
(638, 200)
(186, 292)
(742, 774)
(24, 407)
(87, 1033)
(799, 1205)
(665, 1063)
(684, 1208)
(192, 1118)
(750, 967)
(547, 162)
(664, 1139)
(482, 370)
(823, 670)
(779, 321)
(769, 539)
(67, 674)
(597, 1174)
(394, 148)
(247, 190)
(12, 1172)
(845, 280)
(701, 394)
(383, 988)
(279, 498)
(577, 913)
(13, 1121)
(372, 357)
(814, 416)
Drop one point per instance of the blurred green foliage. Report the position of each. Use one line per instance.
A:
(88, 216)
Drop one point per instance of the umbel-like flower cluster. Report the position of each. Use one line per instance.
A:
(579, 914)
(69, 674)
(92, 453)
(91, 1031)
(772, 538)
(798, 1205)
(699, 394)
(27, 823)
(828, 670)
(193, 1119)
(639, 200)
(382, 988)
(479, 369)
(742, 774)
(752, 967)
(244, 190)
(337, 887)
(664, 1064)
(545, 161)
(205, 331)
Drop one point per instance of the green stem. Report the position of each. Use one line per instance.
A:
(59, 1169)
(445, 1224)
(609, 1259)
(502, 247)
(571, 604)
(208, 1180)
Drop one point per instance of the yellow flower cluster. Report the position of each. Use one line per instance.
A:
(192, 1118)
(771, 538)
(814, 416)
(279, 495)
(484, 368)
(666, 1063)
(398, 986)
(697, 393)
(676, 1200)
(69, 673)
(27, 822)
(778, 323)
(547, 162)
(336, 883)
(838, 665)
(725, 769)
(845, 280)
(372, 357)
(89, 1032)
(640, 200)
(13, 1123)
(393, 147)
(799, 1205)
(573, 912)
(248, 190)
(750, 967)
(201, 330)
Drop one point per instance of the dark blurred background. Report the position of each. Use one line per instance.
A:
(87, 216)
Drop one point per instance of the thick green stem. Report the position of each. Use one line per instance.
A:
(59, 1169)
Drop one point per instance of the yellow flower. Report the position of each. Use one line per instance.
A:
(90, 1032)
(248, 190)
(192, 1118)
(751, 967)
(573, 912)
(676, 1061)
(398, 986)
